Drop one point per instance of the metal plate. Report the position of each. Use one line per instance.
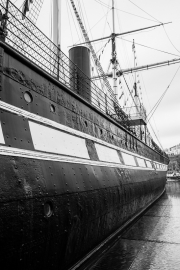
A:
(128, 159)
(107, 154)
(1, 135)
(56, 141)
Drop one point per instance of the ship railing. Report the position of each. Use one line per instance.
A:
(137, 113)
(31, 42)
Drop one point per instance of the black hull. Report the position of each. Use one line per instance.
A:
(56, 207)
(86, 208)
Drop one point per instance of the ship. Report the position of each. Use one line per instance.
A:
(74, 168)
(173, 175)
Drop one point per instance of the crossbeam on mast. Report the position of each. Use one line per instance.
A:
(121, 34)
(150, 66)
(141, 68)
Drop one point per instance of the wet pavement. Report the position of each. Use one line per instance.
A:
(153, 242)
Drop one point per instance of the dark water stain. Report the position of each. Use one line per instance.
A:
(153, 242)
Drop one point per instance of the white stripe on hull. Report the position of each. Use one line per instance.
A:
(50, 123)
(55, 141)
(128, 159)
(52, 137)
(16, 152)
(107, 154)
(1, 135)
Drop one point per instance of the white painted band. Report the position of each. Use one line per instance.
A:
(129, 159)
(107, 154)
(55, 141)
(52, 124)
(9, 151)
(1, 135)
(141, 162)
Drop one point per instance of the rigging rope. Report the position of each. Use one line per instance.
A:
(170, 40)
(160, 99)
(69, 21)
(144, 11)
(108, 6)
(156, 137)
(149, 47)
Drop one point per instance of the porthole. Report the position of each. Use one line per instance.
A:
(48, 209)
(28, 97)
(52, 108)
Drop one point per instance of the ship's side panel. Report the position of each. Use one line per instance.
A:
(53, 213)
(52, 100)
(56, 204)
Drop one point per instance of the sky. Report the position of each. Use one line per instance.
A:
(96, 15)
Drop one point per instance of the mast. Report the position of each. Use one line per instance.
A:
(56, 32)
(135, 82)
(114, 59)
(56, 22)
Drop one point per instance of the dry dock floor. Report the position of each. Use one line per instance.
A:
(153, 242)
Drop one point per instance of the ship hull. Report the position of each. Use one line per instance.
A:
(54, 213)
(69, 174)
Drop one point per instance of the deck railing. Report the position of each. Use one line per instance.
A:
(30, 41)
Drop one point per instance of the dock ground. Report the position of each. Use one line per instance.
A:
(153, 242)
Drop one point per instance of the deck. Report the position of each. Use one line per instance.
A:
(153, 242)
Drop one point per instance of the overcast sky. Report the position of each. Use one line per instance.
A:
(97, 15)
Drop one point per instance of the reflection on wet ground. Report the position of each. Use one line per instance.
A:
(153, 242)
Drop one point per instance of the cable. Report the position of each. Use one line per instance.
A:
(156, 136)
(131, 80)
(144, 11)
(69, 20)
(107, 6)
(135, 15)
(94, 25)
(160, 99)
(149, 47)
(106, 22)
(170, 40)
